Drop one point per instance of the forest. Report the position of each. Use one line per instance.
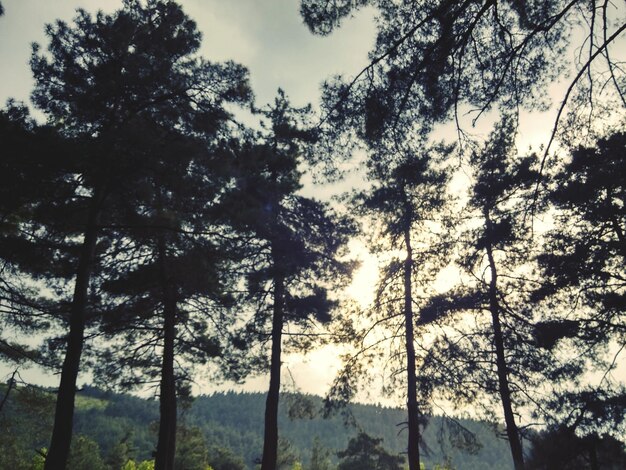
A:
(161, 228)
(230, 426)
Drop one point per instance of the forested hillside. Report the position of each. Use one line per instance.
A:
(124, 427)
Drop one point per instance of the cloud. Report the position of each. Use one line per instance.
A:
(22, 24)
(270, 38)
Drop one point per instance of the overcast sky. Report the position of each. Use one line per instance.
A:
(267, 36)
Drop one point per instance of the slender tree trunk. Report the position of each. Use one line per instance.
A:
(64, 412)
(9, 388)
(503, 382)
(593, 455)
(270, 442)
(166, 445)
(412, 406)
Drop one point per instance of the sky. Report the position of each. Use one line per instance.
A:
(268, 37)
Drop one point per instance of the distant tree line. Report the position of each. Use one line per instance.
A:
(147, 234)
(224, 431)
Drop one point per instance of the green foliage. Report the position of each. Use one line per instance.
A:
(25, 423)
(236, 421)
(363, 451)
(39, 460)
(86, 403)
(232, 426)
(288, 457)
(191, 449)
(320, 457)
(120, 454)
(145, 465)
(129, 465)
(445, 466)
(222, 458)
(85, 455)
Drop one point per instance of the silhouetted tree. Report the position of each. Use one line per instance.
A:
(166, 291)
(585, 253)
(496, 183)
(495, 353)
(560, 448)
(585, 282)
(31, 174)
(294, 244)
(407, 204)
(100, 76)
(364, 451)
(433, 59)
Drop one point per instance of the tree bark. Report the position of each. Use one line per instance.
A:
(412, 406)
(512, 432)
(270, 442)
(166, 444)
(58, 453)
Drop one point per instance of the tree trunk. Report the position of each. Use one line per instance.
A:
(593, 454)
(166, 444)
(58, 453)
(9, 388)
(503, 382)
(270, 442)
(412, 406)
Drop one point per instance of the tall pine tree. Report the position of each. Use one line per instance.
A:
(486, 346)
(406, 207)
(294, 244)
(100, 76)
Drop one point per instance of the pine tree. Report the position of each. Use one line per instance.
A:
(407, 203)
(31, 174)
(493, 350)
(166, 292)
(320, 457)
(364, 451)
(294, 244)
(433, 59)
(100, 80)
(582, 264)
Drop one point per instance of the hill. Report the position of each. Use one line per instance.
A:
(234, 421)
